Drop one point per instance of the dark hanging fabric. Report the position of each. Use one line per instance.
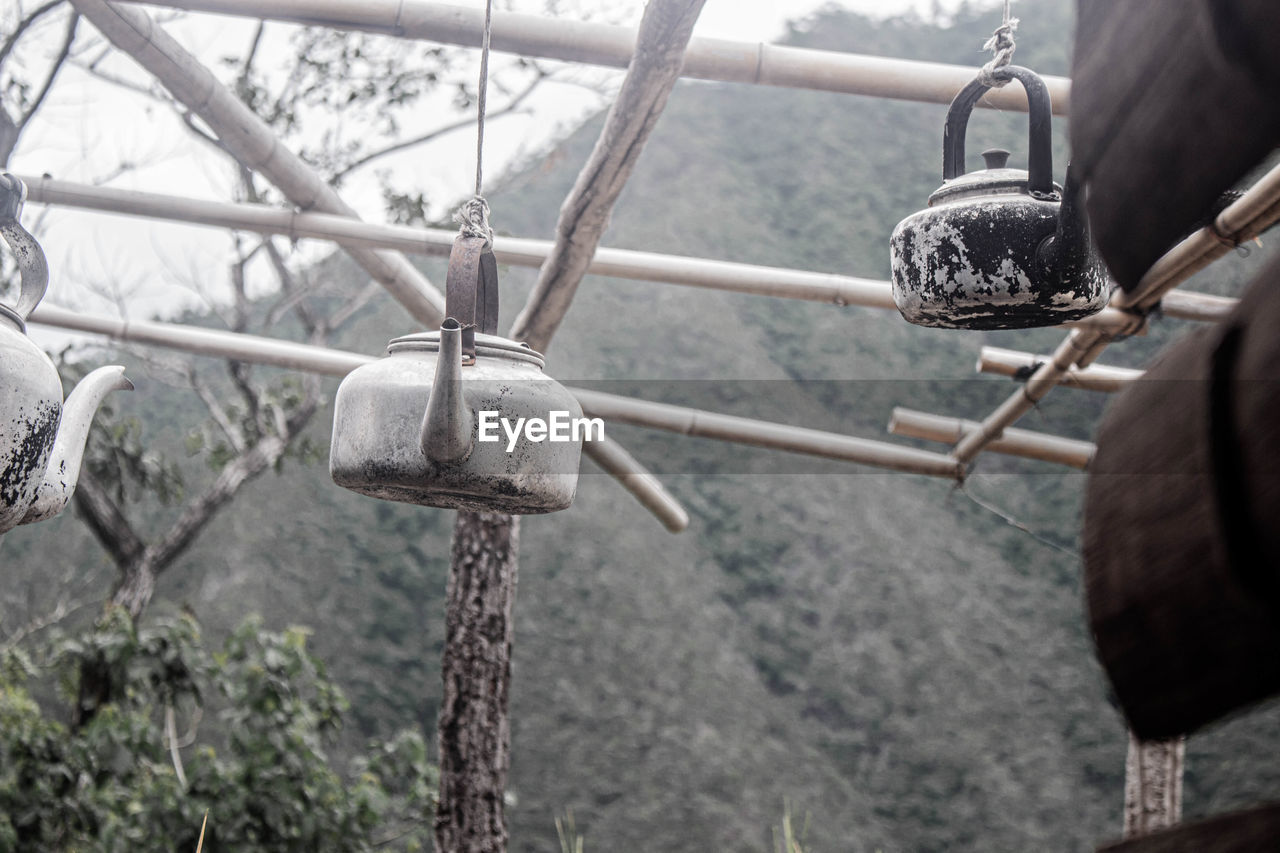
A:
(1171, 104)
(1181, 544)
(1240, 832)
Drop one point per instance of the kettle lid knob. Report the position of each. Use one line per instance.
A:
(995, 158)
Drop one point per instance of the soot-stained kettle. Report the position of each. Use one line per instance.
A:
(998, 248)
(409, 427)
(41, 438)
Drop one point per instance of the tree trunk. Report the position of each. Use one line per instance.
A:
(474, 732)
(1153, 785)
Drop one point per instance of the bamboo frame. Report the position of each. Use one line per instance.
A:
(603, 44)
(1241, 221)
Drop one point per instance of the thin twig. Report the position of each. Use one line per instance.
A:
(23, 26)
(171, 735)
(58, 62)
(460, 124)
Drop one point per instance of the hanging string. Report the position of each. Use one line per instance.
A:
(473, 216)
(1002, 45)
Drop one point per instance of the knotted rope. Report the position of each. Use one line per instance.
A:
(1003, 45)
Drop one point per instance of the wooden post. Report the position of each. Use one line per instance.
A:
(473, 729)
(1153, 785)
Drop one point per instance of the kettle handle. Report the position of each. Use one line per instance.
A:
(31, 260)
(471, 290)
(1040, 155)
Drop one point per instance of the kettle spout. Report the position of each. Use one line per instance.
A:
(448, 428)
(1068, 250)
(68, 448)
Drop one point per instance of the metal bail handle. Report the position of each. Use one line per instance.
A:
(31, 260)
(1040, 155)
(471, 291)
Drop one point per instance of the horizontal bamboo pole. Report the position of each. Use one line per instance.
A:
(1095, 377)
(1201, 307)
(1014, 442)
(608, 45)
(517, 251)
(703, 424)
(329, 362)
(1244, 219)
(612, 407)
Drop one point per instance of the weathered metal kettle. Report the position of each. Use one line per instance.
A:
(421, 426)
(998, 248)
(41, 439)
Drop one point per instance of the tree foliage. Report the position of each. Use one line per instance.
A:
(262, 772)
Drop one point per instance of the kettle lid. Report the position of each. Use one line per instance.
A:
(995, 179)
(493, 346)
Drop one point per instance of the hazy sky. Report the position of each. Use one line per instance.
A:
(88, 128)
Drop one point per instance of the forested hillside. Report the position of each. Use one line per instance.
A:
(884, 651)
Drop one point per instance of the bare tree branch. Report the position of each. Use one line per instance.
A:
(510, 107)
(233, 433)
(58, 62)
(61, 610)
(107, 523)
(361, 299)
(36, 14)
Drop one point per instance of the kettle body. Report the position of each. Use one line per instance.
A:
(377, 446)
(30, 411)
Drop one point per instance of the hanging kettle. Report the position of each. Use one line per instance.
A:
(421, 425)
(41, 438)
(998, 248)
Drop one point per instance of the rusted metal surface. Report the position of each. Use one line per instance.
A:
(998, 248)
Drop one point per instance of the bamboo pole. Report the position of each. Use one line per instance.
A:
(328, 362)
(661, 41)
(1014, 442)
(611, 407)
(603, 44)
(614, 459)
(831, 288)
(253, 143)
(1202, 307)
(774, 436)
(1095, 377)
(619, 263)
(1243, 220)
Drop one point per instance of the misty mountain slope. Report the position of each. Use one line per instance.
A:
(878, 648)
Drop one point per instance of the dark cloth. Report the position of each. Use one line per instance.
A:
(1181, 544)
(1241, 832)
(1171, 104)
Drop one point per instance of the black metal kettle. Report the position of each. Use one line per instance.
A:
(998, 248)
